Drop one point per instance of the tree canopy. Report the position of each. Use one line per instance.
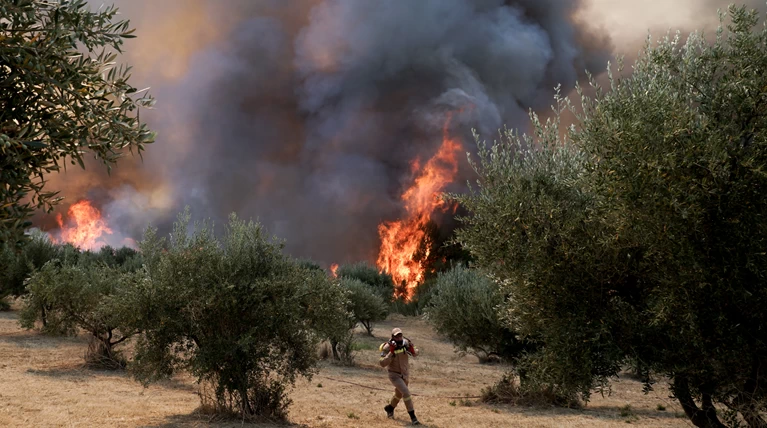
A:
(640, 231)
(235, 312)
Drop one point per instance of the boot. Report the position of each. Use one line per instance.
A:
(413, 419)
(389, 411)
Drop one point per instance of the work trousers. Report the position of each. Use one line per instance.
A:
(401, 390)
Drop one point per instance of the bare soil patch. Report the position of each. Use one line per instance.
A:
(45, 384)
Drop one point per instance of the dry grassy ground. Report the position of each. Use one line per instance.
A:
(43, 384)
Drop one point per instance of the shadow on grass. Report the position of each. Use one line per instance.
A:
(78, 372)
(613, 413)
(9, 314)
(34, 339)
(196, 419)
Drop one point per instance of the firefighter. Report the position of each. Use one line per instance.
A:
(394, 356)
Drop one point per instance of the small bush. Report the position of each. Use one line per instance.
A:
(18, 265)
(366, 306)
(92, 298)
(125, 258)
(344, 348)
(464, 308)
(382, 283)
(509, 391)
(628, 412)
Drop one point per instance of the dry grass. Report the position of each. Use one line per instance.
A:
(45, 384)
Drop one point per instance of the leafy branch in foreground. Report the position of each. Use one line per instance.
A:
(62, 95)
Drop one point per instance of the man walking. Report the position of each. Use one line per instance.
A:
(394, 356)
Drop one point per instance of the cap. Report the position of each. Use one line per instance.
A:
(396, 331)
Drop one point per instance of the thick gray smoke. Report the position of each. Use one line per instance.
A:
(313, 129)
(308, 114)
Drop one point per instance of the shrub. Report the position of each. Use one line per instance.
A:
(125, 258)
(18, 265)
(92, 298)
(509, 391)
(344, 348)
(464, 308)
(236, 313)
(366, 306)
(381, 282)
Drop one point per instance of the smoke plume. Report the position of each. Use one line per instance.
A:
(308, 114)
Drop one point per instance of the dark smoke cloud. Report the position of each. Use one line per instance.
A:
(313, 130)
(307, 115)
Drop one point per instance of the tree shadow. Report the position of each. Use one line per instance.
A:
(35, 340)
(78, 373)
(610, 413)
(198, 419)
(9, 314)
(81, 373)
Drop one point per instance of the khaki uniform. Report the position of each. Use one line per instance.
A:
(399, 371)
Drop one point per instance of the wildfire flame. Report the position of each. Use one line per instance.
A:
(401, 239)
(334, 270)
(84, 227)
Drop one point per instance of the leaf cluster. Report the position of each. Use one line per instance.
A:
(62, 95)
(464, 308)
(366, 306)
(639, 232)
(95, 298)
(380, 282)
(235, 312)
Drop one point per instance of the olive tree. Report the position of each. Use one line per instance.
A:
(16, 265)
(640, 231)
(380, 282)
(88, 297)
(464, 308)
(365, 305)
(235, 312)
(62, 96)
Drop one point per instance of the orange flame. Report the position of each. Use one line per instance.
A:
(334, 270)
(85, 226)
(402, 239)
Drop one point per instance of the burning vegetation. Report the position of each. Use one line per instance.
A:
(404, 243)
(84, 226)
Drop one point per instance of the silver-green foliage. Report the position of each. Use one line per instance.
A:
(62, 96)
(94, 298)
(641, 231)
(464, 308)
(235, 312)
(365, 304)
(380, 282)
